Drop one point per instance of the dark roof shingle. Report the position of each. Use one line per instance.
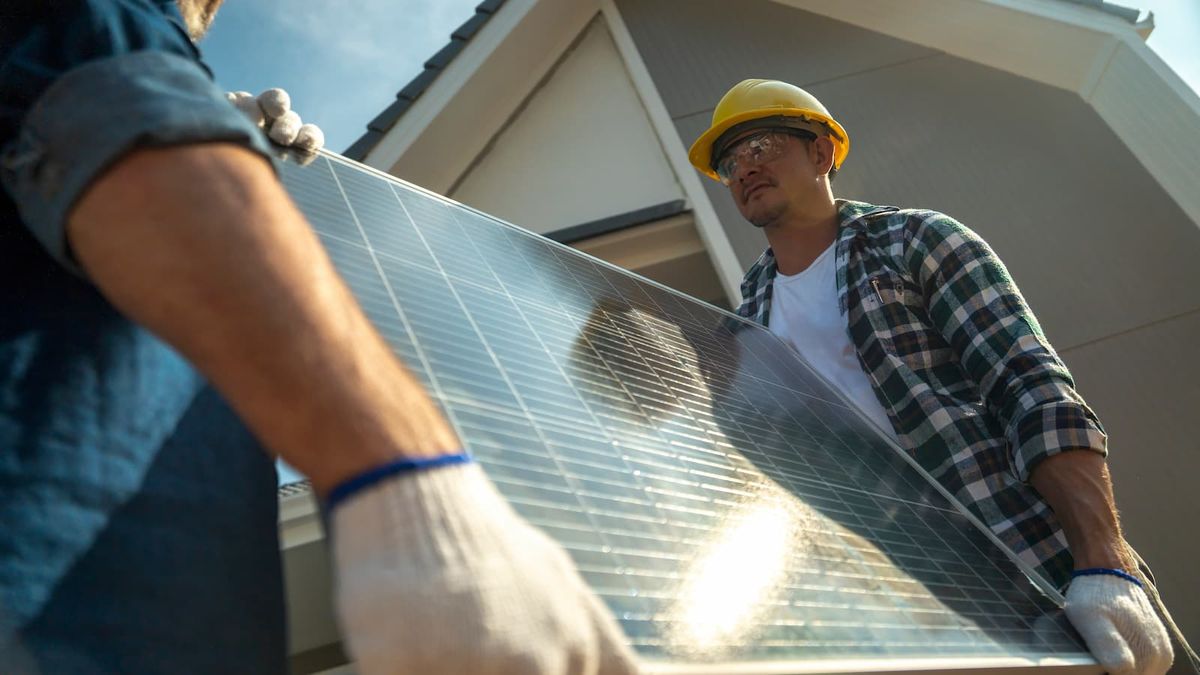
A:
(385, 120)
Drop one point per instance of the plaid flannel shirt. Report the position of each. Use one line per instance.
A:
(973, 389)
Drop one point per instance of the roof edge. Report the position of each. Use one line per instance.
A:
(410, 92)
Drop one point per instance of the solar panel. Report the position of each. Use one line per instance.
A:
(731, 509)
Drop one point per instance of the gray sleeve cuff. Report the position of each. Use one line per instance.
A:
(96, 113)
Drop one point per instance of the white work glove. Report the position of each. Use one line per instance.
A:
(1119, 625)
(437, 574)
(272, 111)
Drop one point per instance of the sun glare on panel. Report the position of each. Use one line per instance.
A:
(733, 577)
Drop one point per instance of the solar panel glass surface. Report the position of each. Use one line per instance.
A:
(721, 499)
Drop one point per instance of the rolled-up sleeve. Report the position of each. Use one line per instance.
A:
(95, 112)
(981, 313)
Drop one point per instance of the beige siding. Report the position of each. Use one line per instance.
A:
(581, 148)
(1145, 385)
(1094, 242)
(1106, 258)
(696, 49)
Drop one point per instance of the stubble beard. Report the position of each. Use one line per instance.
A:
(198, 15)
(768, 216)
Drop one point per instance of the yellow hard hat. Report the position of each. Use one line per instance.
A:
(761, 99)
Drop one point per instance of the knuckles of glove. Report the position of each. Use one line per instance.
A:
(272, 111)
(1119, 625)
(285, 128)
(309, 138)
(275, 102)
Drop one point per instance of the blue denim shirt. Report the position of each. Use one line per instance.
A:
(137, 515)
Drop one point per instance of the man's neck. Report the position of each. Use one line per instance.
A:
(802, 237)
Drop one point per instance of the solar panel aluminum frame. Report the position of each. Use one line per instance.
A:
(299, 525)
(951, 666)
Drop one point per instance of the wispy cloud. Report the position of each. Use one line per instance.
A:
(343, 62)
(368, 31)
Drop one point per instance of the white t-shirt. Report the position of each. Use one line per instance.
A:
(804, 312)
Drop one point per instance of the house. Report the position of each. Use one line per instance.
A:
(1046, 125)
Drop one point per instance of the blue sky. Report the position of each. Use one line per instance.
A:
(1176, 36)
(343, 62)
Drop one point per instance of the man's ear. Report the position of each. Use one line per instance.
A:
(821, 150)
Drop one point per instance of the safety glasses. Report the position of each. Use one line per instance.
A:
(756, 149)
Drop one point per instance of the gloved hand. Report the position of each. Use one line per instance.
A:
(437, 574)
(1119, 625)
(272, 111)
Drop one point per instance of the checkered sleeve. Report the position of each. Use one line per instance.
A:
(979, 310)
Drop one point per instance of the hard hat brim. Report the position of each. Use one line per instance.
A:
(700, 154)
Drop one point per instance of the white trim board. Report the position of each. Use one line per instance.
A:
(299, 520)
(472, 99)
(707, 223)
(555, 163)
(1054, 43)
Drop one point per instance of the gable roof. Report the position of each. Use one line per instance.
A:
(384, 121)
(410, 92)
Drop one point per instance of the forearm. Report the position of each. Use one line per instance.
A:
(201, 245)
(1076, 485)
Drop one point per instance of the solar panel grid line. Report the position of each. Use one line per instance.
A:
(976, 564)
(787, 453)
(695, 427)
(982, 529)
(504, 374)
(638, 400)
(327, 238)
(418, 353)
(637, 464)
(670, 385)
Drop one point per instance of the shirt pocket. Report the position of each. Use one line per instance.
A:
(901, 321)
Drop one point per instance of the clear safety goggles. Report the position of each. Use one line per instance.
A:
(756, 149)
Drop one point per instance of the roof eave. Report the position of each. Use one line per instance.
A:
(413, 90)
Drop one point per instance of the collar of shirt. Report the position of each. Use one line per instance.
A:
(758, 284)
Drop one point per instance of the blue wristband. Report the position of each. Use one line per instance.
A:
(1104, 571)
(368, 478)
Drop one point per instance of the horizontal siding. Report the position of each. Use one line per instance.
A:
(697, 49)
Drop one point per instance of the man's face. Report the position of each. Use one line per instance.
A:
(770, 172)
